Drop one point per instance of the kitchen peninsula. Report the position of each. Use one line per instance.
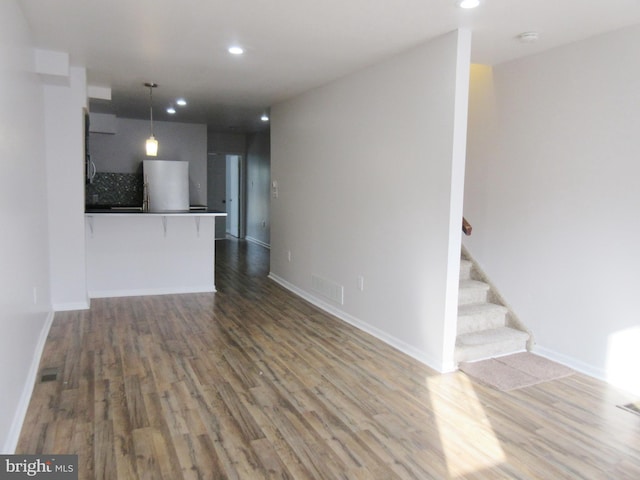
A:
(130, 252)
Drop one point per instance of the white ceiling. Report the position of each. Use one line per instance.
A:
(291, 45)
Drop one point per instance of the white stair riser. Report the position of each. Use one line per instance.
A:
(478, 352)
(476, 322)
(468, 296)
(465, 269)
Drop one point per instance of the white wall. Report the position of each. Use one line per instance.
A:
(124, 151)
(369, 171)
(258, 188)
(24, 242)
(552, 193)
(223, 142)
(65, 99)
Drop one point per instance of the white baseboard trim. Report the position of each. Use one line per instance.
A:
(585, 368)
(258, 242)
(141, 292)
(571, 362)
(67, 307)
(12, 439)
(365, 327)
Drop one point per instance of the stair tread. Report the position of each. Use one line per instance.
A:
(492, 335)
(482, 330)
(474, 308)
(474, 284)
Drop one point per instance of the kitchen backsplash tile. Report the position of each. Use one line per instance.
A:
(118, 189)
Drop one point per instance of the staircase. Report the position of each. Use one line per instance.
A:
(486, 328)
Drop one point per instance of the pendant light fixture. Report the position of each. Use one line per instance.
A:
(152, 143)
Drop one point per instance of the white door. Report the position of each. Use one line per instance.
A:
(233, 195)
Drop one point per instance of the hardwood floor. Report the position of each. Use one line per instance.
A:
(253, 382)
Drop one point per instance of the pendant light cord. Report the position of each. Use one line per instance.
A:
(151, 106)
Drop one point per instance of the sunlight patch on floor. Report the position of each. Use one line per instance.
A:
(623, 360)
(467, 437)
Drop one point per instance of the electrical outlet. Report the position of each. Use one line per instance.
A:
(288, 255)
(360, 283)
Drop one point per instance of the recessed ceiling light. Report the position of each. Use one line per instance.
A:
(468, 3)
(181, 102)
(235, 50)
(528, 37)
(264, 117)
(171, 110)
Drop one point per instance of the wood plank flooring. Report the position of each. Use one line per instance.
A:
(253, 382)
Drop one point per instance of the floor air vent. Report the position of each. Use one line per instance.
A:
(49, 375)
(327, 288)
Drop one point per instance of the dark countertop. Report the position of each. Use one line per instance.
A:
(106, 210)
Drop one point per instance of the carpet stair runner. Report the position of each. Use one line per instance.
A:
(484, 326)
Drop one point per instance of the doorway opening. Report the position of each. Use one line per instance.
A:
(224, 192)
(232, 196)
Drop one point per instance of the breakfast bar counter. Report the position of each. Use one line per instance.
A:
(130, 252)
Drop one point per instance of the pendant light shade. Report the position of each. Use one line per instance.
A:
(151, 144)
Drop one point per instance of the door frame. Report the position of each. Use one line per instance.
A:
(233, 194)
